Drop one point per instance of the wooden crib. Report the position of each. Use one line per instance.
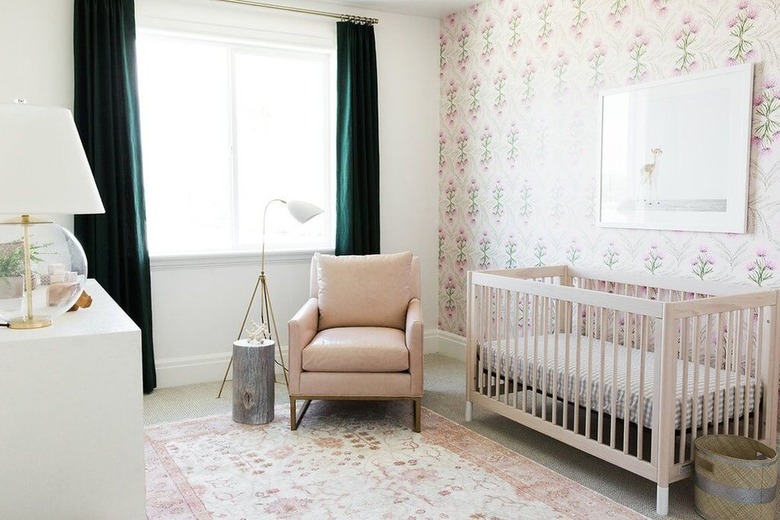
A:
(629, 368)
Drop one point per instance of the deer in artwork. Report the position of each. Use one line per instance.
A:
(649, 177)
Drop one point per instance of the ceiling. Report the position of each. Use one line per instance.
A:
(428, 8)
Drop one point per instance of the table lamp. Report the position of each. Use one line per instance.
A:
(44, 171)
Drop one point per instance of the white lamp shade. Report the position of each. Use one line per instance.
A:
(302, 211)
(43, 167)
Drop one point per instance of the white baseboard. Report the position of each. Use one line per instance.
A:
(450, 345)
(190, 370)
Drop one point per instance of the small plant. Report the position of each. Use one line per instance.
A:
(12, 259)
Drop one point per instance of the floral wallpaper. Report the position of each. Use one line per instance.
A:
(519, 139)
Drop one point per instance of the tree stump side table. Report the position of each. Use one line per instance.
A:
(253, 381)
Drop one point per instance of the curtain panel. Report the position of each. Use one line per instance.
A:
(106, 115)
(357, 138)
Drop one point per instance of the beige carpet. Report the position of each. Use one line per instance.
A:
(444, 394)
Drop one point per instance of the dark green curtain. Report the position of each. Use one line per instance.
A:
(106, 114)
(357, 138)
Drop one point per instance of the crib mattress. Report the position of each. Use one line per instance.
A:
(628, 362)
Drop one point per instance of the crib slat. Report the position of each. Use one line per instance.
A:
(696, 375)
(545, 345)
(729, 359)
(581, 327)
(536, 318)
(526, 340)
(603, 334)
(516, 327)
(718, 364)
(555, 372)
(630, 346)
(749, 346)
(707, 365)
(758, 416)
(684, 353)
(613, 402)
(641, 407)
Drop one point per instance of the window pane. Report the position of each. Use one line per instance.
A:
(282, 144)
(185, 127)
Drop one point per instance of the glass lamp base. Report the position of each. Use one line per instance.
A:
(43, 271)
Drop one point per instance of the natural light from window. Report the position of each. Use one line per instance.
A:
(226, 128)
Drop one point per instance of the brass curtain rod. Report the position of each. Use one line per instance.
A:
(343, 17)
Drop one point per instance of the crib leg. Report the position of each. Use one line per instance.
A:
(469, 408)
(662, 501)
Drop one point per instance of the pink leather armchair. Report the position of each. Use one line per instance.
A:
(360, 334)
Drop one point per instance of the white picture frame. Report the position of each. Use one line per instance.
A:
(675, 154)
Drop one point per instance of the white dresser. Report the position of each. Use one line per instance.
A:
(71, 417)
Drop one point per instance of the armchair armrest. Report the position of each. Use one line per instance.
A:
(301, 329)
(414, 342)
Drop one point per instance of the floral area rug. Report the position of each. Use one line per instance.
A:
(352, 460)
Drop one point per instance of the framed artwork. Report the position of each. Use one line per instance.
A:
(675, 154)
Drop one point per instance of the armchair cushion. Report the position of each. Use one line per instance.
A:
(356, 349)
(363, 291)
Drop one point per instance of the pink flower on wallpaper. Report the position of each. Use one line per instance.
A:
(472, 193)
(515, 39)
(596, 60)
(527, 78)
(618, 10)
(702, 264)
(513, 142)
(442, 155)
(660, 6)
(637, 51)
(766, 116)
(462, 144)
(499, 85)
(488, 47)
(511, 252)
(761, 268)
(474, 102)
(484, 251)
(461, 256)
(559, 71)
(486, 144)
(443, 44)
(441, 255)
(741, 27)
(580, 18)
(451, 102)
(574, 252)
(463, 46)
(450, 296)
(498, 201)
(685, 39)
(544, 12)
(450, 194)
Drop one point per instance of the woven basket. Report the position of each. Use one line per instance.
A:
(734, 477)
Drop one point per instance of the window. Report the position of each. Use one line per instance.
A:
(226, 128)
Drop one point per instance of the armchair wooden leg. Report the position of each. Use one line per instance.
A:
(417, 414)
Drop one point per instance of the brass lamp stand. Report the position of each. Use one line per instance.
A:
(302, 212)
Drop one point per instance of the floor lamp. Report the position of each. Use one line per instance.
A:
(302, 212)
